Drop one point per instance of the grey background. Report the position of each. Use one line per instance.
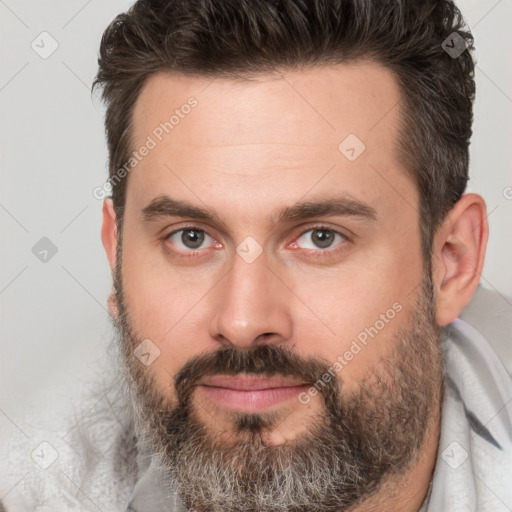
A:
(54, 322)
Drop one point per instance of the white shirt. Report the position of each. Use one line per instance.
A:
(473, 470)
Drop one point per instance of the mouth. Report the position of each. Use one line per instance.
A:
(250, 393)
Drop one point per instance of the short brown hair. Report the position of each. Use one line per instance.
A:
(237, 38)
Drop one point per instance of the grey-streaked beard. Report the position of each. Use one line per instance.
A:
(360, 441)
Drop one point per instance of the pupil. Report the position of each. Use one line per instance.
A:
(322, 238)
(192, 238)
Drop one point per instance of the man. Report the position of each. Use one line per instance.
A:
(291, 249)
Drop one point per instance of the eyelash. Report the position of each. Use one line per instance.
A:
(315, 253)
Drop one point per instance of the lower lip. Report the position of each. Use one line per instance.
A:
(251, 400)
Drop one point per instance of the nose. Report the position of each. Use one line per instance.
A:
(251, 306)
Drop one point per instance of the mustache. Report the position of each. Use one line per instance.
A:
(267, 360)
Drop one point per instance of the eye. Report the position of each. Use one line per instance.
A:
(190, 239)
(319, 238)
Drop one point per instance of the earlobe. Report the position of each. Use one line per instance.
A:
(109, 231)
(458, 257)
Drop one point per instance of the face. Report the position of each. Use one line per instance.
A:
(270, 288)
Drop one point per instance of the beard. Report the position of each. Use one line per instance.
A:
(351, 448)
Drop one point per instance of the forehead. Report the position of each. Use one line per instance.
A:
(272, 138)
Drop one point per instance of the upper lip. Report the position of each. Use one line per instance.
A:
(247, 382)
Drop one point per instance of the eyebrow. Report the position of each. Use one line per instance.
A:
(164, 206)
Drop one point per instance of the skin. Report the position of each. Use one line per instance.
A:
(248, 150)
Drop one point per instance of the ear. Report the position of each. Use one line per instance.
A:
(109, 231)
(109, 240)
(458, 256)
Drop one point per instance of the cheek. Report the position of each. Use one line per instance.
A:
(157, 295)
(166, 306)
(356, 312)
